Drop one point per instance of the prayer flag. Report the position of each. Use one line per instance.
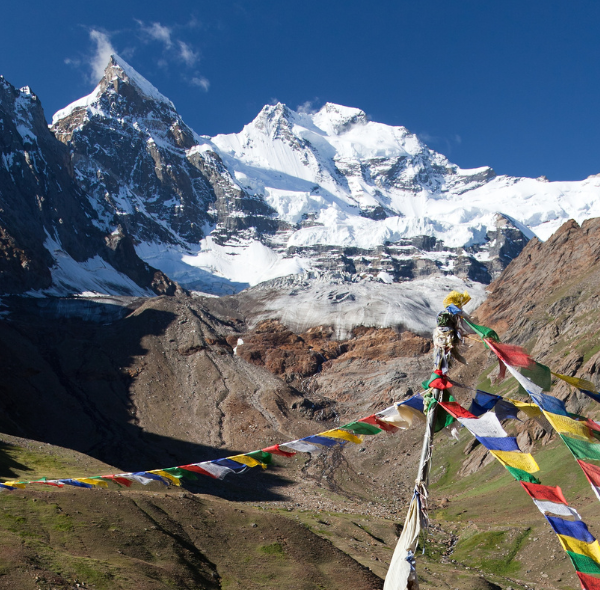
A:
(503, 443)
(511, 355)
(217, 471)
(556, 508)
(3, 486)
(584, 564)
(180, 473)
(93, 482)
(262, 456)
(456, 410)
(577, 382)
(592, 550)
(415, 402)
(485, 400)
(582, 449)
(358, 427)
(342, 434)
(576, 529)
(197, 469)
(531, 410)
(487, 425)
(592, 472)
(483, 332)
(276, 450)
(566, 425)
(539, 374)
(323, 441)
(375, 421)
(161, 472)
(505, 410)
(588, 582)
(76, 483)
(548, 493)
(151, 475)
(522, 476)
(303, 447)
(523, 461)
(550, 404)
(142, 477)
(233, 465)
(528, 386)
(118, 480)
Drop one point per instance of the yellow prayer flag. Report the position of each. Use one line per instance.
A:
(343, 434)
(245, 460)
(591, 550)
(14, 484)
(166, 475)
(577, 382)
(566, 425)
(518, 460)
(531, 410)
(456, 298)
(94, 482)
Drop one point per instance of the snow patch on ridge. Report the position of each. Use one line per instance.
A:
(94, 275)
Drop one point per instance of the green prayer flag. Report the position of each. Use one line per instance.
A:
(361, 428)
(260, 456)
(521, 475)
(584, 564)
(483, 331)
(539, 374)
(582, 449)
(178, 472)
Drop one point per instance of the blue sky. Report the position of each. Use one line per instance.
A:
(510, 84)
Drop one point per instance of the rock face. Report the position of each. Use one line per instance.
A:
(46, 222)
(144, 168)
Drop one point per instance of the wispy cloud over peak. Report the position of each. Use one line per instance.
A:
(157, 32)
(103, 51)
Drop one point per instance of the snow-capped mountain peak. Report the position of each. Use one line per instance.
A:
(117, 71)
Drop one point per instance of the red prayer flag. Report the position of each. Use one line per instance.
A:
(119, 480)
(592, 472)
(196, 469)
(275, 450)
(515, 356)
(51, 483)
(588, 582)
(375, 421)
(456, 410)
(548, 493)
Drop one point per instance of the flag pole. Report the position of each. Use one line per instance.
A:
(402, 573)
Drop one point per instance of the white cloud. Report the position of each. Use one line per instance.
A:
(307, 107)
(157, 32)
(201, 82)
(187, 54)
(103, 51)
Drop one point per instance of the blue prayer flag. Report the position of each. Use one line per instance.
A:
(505, 410)
(549, 403)
(323, 440)
(500, 443)
(572, 528)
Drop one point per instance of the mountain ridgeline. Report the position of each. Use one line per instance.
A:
(120, 196)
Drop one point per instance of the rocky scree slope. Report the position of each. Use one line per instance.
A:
(48, 240)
